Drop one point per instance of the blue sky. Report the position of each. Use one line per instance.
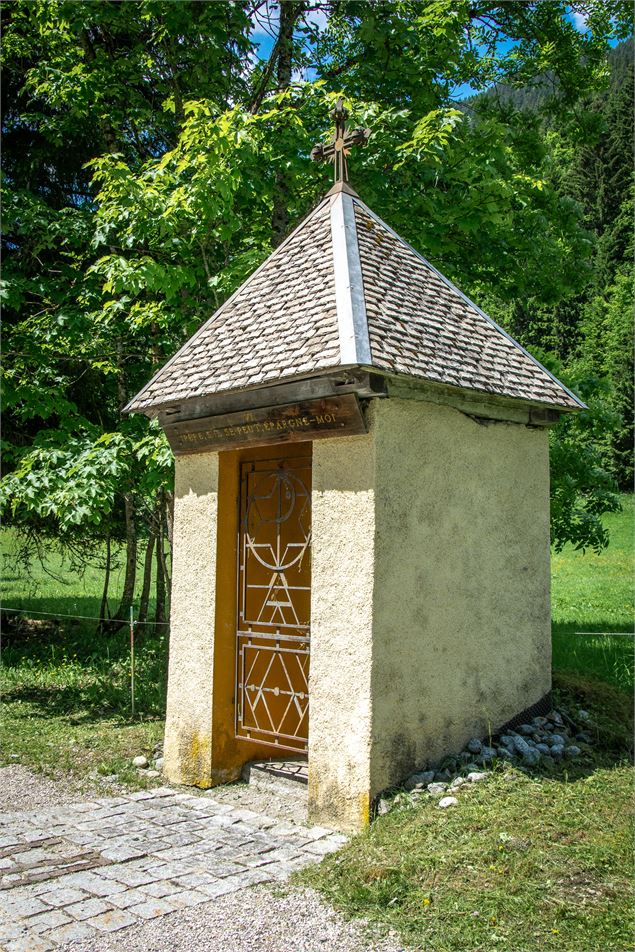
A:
(263, 35)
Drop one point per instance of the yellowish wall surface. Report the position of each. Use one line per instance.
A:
(343, 524)
(188, 729)
(462, 638)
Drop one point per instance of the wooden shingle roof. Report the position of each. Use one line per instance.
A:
(344, 290)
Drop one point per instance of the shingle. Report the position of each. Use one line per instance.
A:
(420, 325)
(255, 335)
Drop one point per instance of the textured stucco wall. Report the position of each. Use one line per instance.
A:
(342, 576)
(430, 613)
(188, 750)
(462, 636)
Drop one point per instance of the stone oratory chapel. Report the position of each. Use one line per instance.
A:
(361, 527)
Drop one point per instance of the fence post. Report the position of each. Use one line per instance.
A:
(132, 624)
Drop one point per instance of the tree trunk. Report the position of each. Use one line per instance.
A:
(103, 608)
(289, 14)
(147, 575)
(159, 615)
(121, 615)
(169, 515)
(169, 531)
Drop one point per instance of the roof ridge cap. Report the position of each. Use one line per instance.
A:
(340, 187)
(350, 296)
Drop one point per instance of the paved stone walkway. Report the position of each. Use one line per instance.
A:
(78, 870)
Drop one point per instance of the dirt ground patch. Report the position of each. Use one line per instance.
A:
(21, 789)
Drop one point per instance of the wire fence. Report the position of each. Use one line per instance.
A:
(607, 634)
(136, 622)
(121, 621)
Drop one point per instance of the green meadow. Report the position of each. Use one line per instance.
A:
(66, 699)
(592, 605)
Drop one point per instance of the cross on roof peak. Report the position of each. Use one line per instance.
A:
(341, 143)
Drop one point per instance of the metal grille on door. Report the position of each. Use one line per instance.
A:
(274, 601)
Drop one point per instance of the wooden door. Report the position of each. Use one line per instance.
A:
(274, 600)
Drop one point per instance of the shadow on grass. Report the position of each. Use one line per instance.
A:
(600, 649)
(610, 726)
(86, 705)
(66, 610)
(61, 667)
(572, 771)
(611, 709)
(69, 624)
(69, 620)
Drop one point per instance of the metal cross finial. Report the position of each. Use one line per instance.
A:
(341, 143)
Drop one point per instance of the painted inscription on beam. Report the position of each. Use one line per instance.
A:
(308, 420)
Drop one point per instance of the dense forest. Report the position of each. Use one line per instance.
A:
(155, 152)
(590, 329)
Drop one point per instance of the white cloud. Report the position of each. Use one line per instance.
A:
(317, 18)
(579, 21)
(265, 20)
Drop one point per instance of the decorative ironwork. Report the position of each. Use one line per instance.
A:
(341, 143)
(274, 598)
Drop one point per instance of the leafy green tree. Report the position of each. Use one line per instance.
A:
(582, 487)
(152, 160)
(588, 325)
(607, 350)
(80, 80)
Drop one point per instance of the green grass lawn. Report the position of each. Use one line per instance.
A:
(60, 585)
(527, 861)
(594, 593)
(522, 864)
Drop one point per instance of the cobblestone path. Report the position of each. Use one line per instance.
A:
(69, 873)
